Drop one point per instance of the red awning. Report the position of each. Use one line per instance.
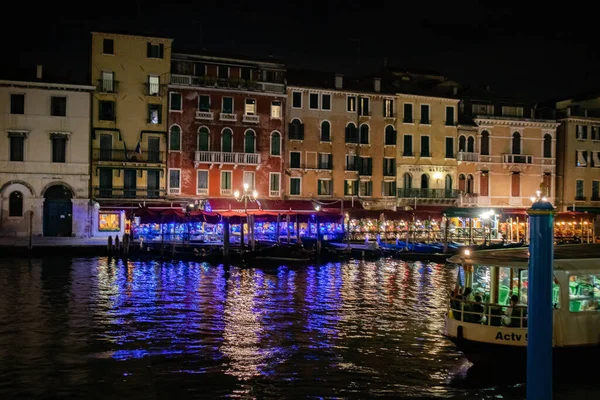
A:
(217, 205)
(288, 206)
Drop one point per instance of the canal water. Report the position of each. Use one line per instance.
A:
(96, 328)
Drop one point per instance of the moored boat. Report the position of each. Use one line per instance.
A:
(490, 322)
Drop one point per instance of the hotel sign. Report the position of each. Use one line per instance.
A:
(428, 169)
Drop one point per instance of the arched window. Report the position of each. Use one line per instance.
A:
(462, 143)
(547, 145)
(15, 204)
(351, 133)
(448, 183)
(364, 134)
(203, 139)
(469, 184)
(516, 143)
(485, 143)
(407, 181)
(462, 182)
(390, 136)
(471, 144)
(424, 181)
(296, 130)
(227, 141)
(275, 144)
(249, 142)
(325, 131)
(175, 138)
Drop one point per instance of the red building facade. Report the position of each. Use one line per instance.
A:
(226, 127)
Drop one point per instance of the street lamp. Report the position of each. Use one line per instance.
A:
(246, 196)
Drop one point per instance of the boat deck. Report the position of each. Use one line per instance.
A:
(521, 255)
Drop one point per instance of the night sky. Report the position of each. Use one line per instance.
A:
(522, 49)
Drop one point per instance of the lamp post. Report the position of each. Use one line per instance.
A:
(246, 196)
(539, 329)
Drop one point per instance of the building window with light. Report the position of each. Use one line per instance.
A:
(249, 179)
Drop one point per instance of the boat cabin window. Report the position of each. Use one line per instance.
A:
(524, 285)
(584, 293)
(481, 282)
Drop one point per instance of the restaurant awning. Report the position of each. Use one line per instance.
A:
(217, 205)
(288, 206)
(475, 212)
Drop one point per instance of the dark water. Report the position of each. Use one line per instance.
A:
(89, 328)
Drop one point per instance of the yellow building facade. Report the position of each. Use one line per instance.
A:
(341, 142)
(578, 164)
(129, 116)
(426, 151)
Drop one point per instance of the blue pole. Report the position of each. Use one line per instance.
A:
(539, 330)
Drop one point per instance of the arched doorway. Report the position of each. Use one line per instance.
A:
(424, 181)
(58, 211)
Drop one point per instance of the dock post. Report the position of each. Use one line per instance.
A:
(318, 234)
(226, 237)
(445, 234)
(287, 227)
(30, 243)
(277, 228)
(251, 232)
(109, 245)
(539, 327)
(298, 238)
(117, 244)
(125, 244)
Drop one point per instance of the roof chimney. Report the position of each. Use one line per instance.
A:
(38, 73)
(455, 90)
(377, 85)
(339, 78)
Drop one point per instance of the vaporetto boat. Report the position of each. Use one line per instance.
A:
(487, 326)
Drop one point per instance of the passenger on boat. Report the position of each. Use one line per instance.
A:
(468, 294)
(479, 309)
(592, 305)
(514, 314)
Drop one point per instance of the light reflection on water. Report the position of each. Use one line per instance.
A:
(99, 328)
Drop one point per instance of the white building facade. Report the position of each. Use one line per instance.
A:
(45, 159)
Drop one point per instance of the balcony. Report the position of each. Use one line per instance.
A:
(579, 198)
(233, 83)
(251, 119)
(274, 193)
(467, 156)
(217, 157)
(226, 192)
(468, 199)
(428, 193)
(205, 115)
(128, 193)
(517, 159)
(202, 191)
(154, 89)
(228, 117)
(271, 87)
(174, 190)
(111, 155)
(107, 86)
